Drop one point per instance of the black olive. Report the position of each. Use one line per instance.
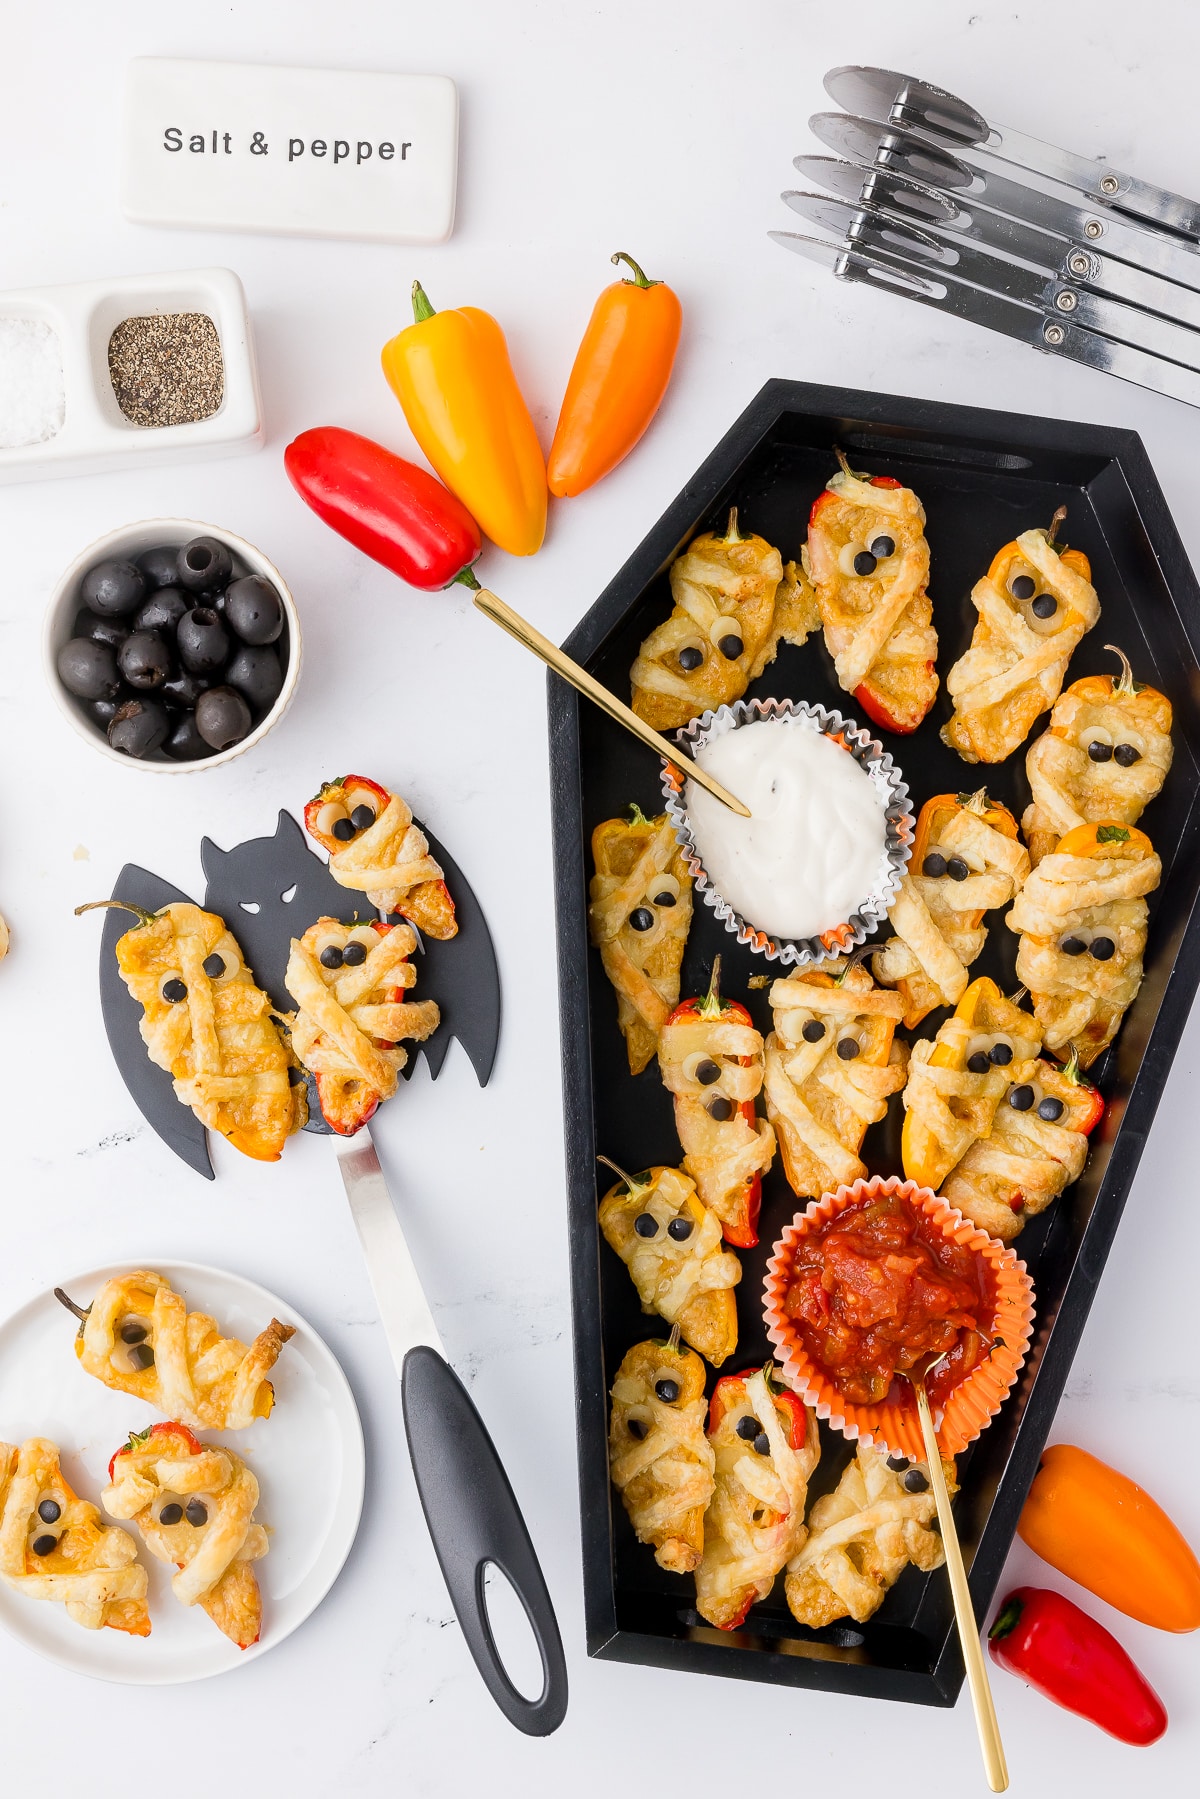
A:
(214, 966)
(762, 1444)
(134, 1333)
(667, 1390)
(646, 1224)
(145, 660)
(257, 672)
(170, 1514)
(980, 1062)
(1000, 1054)
(1099, 752)
(114, 588)
(184, 689)
(720, 1108)
(637, 1428)
(45, 1545)
(160, 566)
(185, 743)
(142, 1356)
(690, 657)
(1126, 755)
(112, 631)
(49, 1511)
(812, 1030)
(222, 717)
(204, 565)
(354, 954)
(163, 610)
(174, 990)
(1103, 949)
(343, 830)
(680, 1229)
(254, 610)
(915, 1481)
(957, 869)
(202, 641)
(748, 1427)
(897, 1463)
(104, 711)
(1045, 606)
(1073, 946)
(362, 817)
(196, 1513)
(707, 1072)
(139, 727)
(665, 898)
(89, 669)
(1051, 1110)
(1020, 1098)
(1023, 587)
(864, 563)
(934, 865)
(848, 1048)
(641, 919)
(332, 956)
(730, 647)
(881, 547)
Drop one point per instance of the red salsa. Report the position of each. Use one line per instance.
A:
(879, 1289)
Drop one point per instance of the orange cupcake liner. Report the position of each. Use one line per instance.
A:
(896, 1427)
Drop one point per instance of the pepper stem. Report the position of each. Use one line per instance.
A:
(140, 912)
(976, 802)
(466, 578)
(639, 279)
(1007, 1621)
(843, 464)
(636, 815)
(64, 1300)
(1055, 522)
(710, 1005)
(855, 959)
(732, 534)
(633, 1185)
(673, 1339)
(1071, 1070)
(1124, 684)
(422, 310)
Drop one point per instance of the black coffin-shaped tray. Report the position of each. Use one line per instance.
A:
(983, 477)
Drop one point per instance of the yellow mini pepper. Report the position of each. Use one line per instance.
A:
(451, 373)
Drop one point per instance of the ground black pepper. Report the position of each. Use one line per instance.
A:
(167, 368)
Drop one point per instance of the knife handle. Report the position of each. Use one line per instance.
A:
(474, 1520)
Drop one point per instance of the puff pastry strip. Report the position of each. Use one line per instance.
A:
(387, 859)
(641, 873)
(92, 1568)
(679, 1267)
(660, 1460)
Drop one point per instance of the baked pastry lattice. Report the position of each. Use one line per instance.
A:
(54, 1545)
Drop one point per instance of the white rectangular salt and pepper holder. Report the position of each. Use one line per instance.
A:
(95, 434)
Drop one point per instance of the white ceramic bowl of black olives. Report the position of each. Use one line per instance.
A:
(172, 645)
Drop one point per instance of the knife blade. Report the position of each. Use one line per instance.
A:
(403, 1308)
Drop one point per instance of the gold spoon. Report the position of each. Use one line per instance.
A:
(995, 1766)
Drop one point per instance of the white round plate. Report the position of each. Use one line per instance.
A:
(307, 1457)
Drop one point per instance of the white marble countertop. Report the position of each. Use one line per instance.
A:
(667, 130)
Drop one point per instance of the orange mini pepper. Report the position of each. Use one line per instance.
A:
(617, 382)
(1099, 1528)
(453, 378)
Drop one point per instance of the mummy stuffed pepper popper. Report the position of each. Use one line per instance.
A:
(193, 1504)
(765, 1443)
(138, 1337)
(967, 860)
(54, 1545)
(734, 601)
(375, 848)
(660, 1460)
(349, 982)
(671, 1245)
(1035, 603)
(831, 1063)
(1103, 757)
(1081, 917)
(711, 1058)
(868, 560)
(638, 918)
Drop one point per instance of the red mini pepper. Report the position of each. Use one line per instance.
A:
(137, 1438)
(795, 1413)
(743, 1233)
(1068, 1657)
(393, 511)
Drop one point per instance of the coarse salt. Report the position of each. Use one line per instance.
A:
(32, 397)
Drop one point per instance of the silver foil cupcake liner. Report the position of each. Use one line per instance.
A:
(875, 762)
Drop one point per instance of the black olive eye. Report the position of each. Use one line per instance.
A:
(173, 991)
(343, 830)
(1020, 1098)
(1103, 949)
(44, 1545)
(1073, 946)
(1126, 755)
(665, 898)
(690, 658)
(49, 1511)
(730, 647)
(170, 1514)
(361, 817)
(748, 1427)
(897, 1463)
(196, 1513)
(646, 1225)
(680, 1229)
(813, 1030)
(667, 1390)
(864, 563)
(637, 1428)
(641, 919)
(1022, 587)
(720, 1108)
(354, 954)
(1051, 1110)
(214, 966)
(957, 869)
(848, 1048)
(142, 1356)
(934, 865)
(980, 1062)
(882, 547)
(332, 956)
(915, 1481)
(1099, 752)
(762, 1443)
(134, 1333)
(1000, 1054)
(1045, 606)
(707, 1072)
